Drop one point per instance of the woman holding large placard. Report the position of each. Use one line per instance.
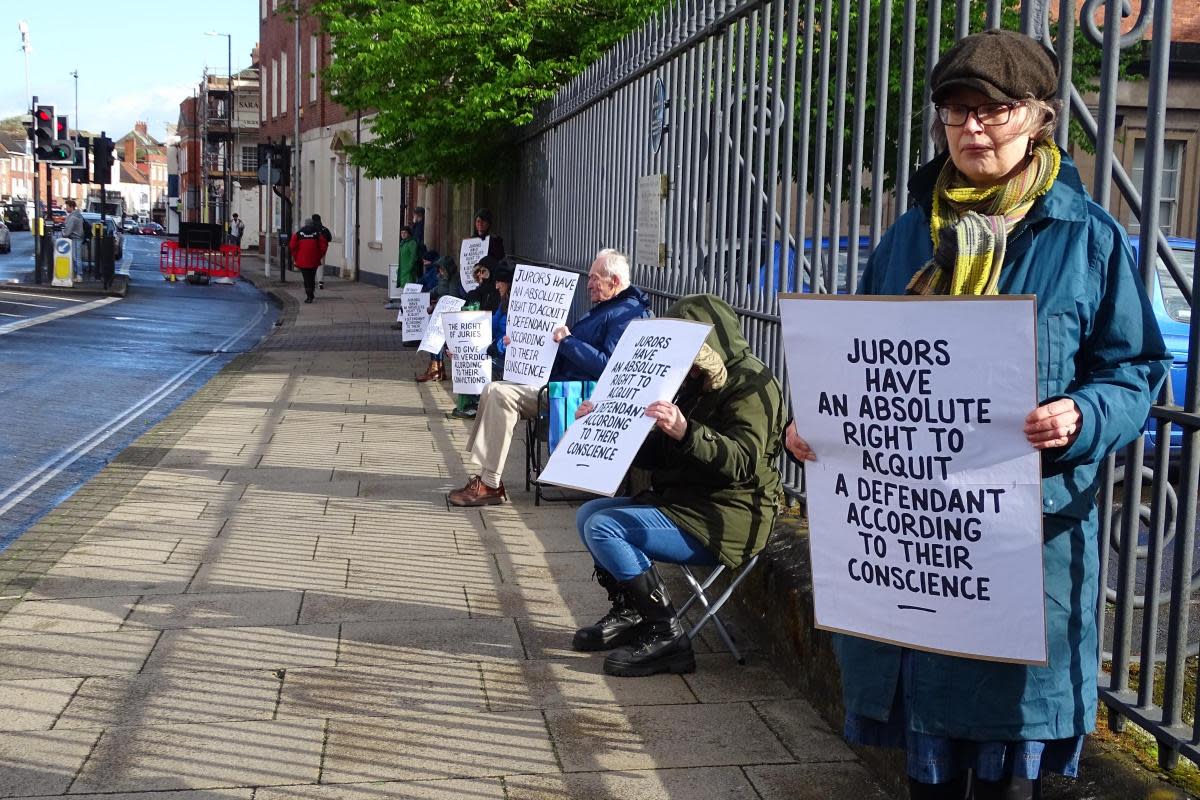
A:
(714, 493)
(1001, 210)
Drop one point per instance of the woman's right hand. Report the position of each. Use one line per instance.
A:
(797, 446)
(584, 408)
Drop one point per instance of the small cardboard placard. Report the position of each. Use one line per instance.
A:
(414, 312)
(468, 334)
(470, 253)
(435, 337)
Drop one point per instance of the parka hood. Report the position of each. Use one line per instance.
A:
(726, 336)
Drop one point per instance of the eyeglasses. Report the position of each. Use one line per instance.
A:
(989, 114)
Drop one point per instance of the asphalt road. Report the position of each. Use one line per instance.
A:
(83, 377)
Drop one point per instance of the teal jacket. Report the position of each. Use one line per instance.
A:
(1098, 344)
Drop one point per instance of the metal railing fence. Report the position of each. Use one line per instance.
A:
(786, 132)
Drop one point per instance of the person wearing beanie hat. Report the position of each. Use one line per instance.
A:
(429, 276)
(418, 226)
(1002, 210)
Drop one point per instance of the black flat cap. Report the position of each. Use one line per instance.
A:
(1004, 65)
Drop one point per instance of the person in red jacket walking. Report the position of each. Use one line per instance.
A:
(308, 248)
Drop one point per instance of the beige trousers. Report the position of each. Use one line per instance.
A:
(501, 406)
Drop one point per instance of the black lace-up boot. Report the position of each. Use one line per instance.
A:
(662, 644)
(615, 628)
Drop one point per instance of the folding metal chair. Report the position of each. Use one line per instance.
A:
(712, 607)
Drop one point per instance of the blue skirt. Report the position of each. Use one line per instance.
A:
(939, 759)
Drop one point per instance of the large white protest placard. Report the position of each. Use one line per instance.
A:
(538, 303)
(434, 336)
(414, 312)
(395, 292)
(470, 253)
(924, 502)
(468, 334)
(649, 363)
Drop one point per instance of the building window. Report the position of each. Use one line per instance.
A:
(1168, 201)
(314, 65)
(283, 82)
(249, 159)
(379, 209)
(262, 9)
(274, 87)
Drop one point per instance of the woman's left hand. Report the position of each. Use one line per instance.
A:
(1054, 424)
(668, 418)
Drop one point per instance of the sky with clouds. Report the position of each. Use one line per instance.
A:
(137, 59)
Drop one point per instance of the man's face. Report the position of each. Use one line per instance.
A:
(600, 285)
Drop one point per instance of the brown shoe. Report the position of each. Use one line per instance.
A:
(434, 373)
(478, 493)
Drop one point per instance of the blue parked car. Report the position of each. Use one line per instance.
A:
(800, 283)
(1174, 315)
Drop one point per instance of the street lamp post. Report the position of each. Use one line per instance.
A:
(229, 122)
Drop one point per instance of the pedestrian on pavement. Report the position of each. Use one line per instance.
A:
(583, 351)
(1001, 210)
(418, 227)
(75, 229)
(307, 247)
(327, 235)
(236, 229)
(716, 489)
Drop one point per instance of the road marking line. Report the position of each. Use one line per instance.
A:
(53, 466)
(16, 303)
(45, 296)
(6, 314)
(53, 315)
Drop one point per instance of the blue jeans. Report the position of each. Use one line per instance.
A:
(626, 539)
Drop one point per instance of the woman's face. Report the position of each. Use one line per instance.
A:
(987, 154)
(481, 274)
(481, 227)
(502, 289)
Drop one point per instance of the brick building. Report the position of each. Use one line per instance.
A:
(363, 214)
(146, 160)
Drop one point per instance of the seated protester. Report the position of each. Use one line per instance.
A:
(483, 297)
(715, 489)
(482, 275)
(583, 351)
(447, 284)
(429, 278)
(502, 277)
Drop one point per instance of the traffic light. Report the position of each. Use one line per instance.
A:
(61, 131)
(43, 132)
(102, 159)
(79, 168)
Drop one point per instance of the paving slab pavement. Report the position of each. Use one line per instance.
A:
(267, 597)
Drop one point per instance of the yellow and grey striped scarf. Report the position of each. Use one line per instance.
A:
(970, 226)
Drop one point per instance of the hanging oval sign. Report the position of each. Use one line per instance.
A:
(658, 115)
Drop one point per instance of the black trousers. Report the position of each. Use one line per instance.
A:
(310, 281)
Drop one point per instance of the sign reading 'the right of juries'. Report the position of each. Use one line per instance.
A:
(924, 502)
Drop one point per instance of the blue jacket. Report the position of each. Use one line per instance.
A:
(1097, 344)
(583, 355)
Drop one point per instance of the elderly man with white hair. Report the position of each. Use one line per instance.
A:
(583, 351)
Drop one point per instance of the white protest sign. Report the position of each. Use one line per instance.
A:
(471, 253)
(468, 334)
(396, 292)
(434, 337)
(538, 303)
(649, 363)
(414, 312)
(924, 503)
